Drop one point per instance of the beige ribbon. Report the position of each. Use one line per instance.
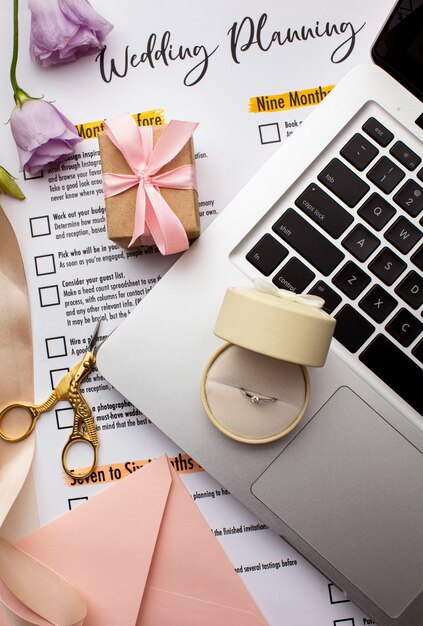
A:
(300, 298)
(49, 595)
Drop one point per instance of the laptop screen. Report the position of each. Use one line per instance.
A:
(399, 47)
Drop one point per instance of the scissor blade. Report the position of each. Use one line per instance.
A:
(94, 336)
(62, 389)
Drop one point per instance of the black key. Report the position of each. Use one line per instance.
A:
(351, 280)
(323, 210)
(403, 235)
(404, 327)
(410, 198)
(360, 242)
(385, 174)
(331, 298)
(376, 211)
(267, 254)
(359, 152)
(418, 351)
(343, 182)
(380, 133)
(417, 258)
(395, 369)
(294, 276)
(407, 157)
(306, 240)
(420, 174)
(352, 329)
(378, 303)
(387, 266)
(410, 289)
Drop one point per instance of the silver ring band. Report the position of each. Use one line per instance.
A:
(255, 398)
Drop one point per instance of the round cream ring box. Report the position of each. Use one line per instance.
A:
(255, 388)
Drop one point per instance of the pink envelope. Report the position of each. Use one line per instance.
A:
(142, 554)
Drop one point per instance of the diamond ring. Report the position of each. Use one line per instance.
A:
(255, 398)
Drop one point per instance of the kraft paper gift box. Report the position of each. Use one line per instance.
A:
(120, 208)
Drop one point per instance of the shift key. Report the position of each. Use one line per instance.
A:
(308, 242)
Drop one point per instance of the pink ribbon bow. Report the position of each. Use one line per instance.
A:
(153, 215)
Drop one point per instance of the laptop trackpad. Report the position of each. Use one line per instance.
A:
(351, 486)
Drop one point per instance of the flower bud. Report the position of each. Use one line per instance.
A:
(8, 185)
(43, 135)
(65, 30)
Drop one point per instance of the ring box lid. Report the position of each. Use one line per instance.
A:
(275, 326)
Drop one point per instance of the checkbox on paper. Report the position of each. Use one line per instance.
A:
(269, 133)
(336, 595)
(344, 622)
(45, 264)
(57, 375)
(49, 296)
(28, 176)
(64, 418)
(56, 346)
(40, 226)
(74, 502)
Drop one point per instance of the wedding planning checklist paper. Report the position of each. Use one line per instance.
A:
(249, 76)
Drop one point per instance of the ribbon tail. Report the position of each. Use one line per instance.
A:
(166, 228)
(139, 218)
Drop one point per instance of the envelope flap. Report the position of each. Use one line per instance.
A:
(105, 547)
(191, 574)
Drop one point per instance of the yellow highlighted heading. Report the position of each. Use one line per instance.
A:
(289, 100)
(182, 463)
(154, 117)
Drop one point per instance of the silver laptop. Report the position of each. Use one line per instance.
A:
(338, 212)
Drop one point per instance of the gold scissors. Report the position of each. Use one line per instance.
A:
(83, 429)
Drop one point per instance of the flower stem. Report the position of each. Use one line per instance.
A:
(15, 46)
(19, 94)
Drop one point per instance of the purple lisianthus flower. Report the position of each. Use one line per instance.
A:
(42, 134)
(65, 30)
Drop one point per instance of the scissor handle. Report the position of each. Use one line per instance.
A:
(34, 410)
(82, 418)
(78, 438)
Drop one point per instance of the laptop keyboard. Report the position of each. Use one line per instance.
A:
(355, 239)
